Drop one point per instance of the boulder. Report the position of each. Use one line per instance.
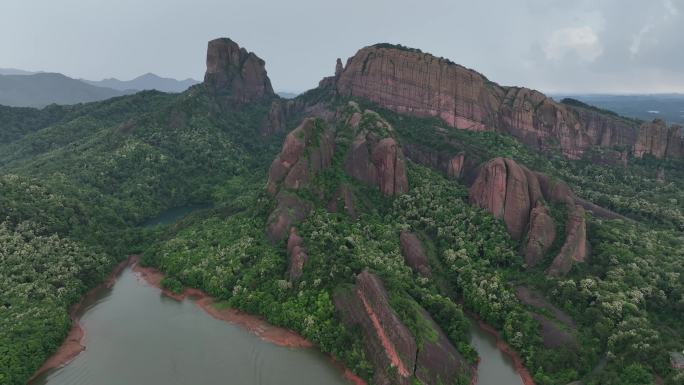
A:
(455, 166)
(414, 253)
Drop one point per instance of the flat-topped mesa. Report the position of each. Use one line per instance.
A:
(412, 82)
(236, 73)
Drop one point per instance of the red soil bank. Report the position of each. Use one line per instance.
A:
(509, 351)
(73, 345)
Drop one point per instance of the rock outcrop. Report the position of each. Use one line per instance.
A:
(236, 74)
(412, 82)
(575, 248)
(657, 139)
(557, 327)
(390, 344)
(375, 157)
(297, 255)
(540, 235)
(517, 195)
(507, 190)
(307, 150)
(414, 253)
(343, 197)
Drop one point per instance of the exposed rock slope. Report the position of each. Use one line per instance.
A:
(412, 82)
(375, 157)
(390, 344)
(517, 195)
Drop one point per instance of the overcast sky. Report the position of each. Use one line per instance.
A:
(551, 45)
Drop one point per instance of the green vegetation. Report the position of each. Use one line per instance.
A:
(76, 183)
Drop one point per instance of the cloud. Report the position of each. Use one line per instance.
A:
(638, 38)
(581, 41)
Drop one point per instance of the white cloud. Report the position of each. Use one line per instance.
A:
(638, 38)
(670, 7)
(582, 41)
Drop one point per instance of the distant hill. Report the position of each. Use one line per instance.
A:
(148, 81)
(14, 71)
(669, 107)
(42, 89)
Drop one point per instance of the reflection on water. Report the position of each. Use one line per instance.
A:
(135, 336)
(495, 368)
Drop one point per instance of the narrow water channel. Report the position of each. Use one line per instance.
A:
(495, 368)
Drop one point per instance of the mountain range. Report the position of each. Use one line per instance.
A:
(375, 215)
(20, 88)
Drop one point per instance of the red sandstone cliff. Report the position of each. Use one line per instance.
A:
(411, 82)
(236, 74)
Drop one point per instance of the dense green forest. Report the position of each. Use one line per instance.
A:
(76, 183)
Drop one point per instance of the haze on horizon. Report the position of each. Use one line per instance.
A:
(557, 46)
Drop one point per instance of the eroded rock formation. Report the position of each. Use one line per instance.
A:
(307, 150)
(414, 253)
(374, 157)
(517, 195)
(416, 83)
(390, 344)
(236, 74)
(297, 255)
(540, 235)
(575, 248)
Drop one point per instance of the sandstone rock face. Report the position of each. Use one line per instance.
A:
(515, 194)
(455, 166)
(411, 82)
(575, 248)
(414, 253)
(388, 342)
(503, 188)
(289, 211)
(297, 255)
(234, 72)
(657, 139)
(540, 235)
(344, 197)
(438, 361)
(374, 159)
(307, 150)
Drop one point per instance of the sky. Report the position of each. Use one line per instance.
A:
(556, 46)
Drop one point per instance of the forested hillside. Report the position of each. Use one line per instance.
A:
(330, 211)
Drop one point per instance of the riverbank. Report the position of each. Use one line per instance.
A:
(254, 324)
(506, 349)
(74, 343)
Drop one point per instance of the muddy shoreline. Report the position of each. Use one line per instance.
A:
(74, 343)
(254, 324)
(506, 349)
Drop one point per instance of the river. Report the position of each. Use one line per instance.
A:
(136, 335)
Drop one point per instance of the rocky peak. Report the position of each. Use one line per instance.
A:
(412, 82)
(236, 73)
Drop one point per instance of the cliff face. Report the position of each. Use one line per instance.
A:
(235, 73)
(515, 194)
(411, 82)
